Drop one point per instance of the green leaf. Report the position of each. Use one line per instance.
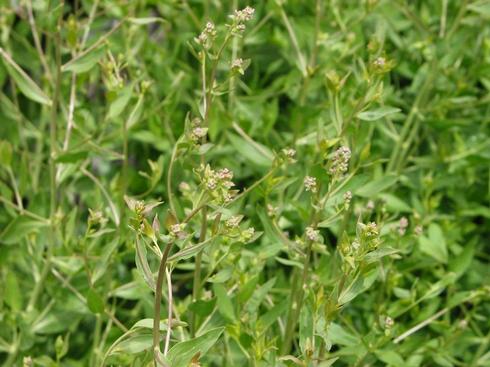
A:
(258, 296)
(148, 324)
(189, 251)
(374, 115)
(376, 186)
(338, 335)
(55, 322)
(142, 264)
(12, 292)
(359, 285)
(225, 306)
(181, 354)
(379, 253)
(119, 104)
(85, 61)
(459, 264)
(20, 227)
(26, 85)
(288, 262)
(246, 291)
(95, 302)
(72, 157)
(222, 276)
(203, 308)
(305, 328)
(435, 244)
(136, 112)
(134, 344)
(267, 319)
(395, 204)
(250, 152)
(391, 358)
(5, 153)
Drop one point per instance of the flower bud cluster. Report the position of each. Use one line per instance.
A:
(340, 161)
(238, 66)
(177, 231)
(310, 184)
(387, 323)
(233, 231)
(402, 226)
(195, 131)
(347, 198)
(381, 65)
(240, 17)
(207, 36)
(289, 155)
(96, 219)
(367, 240)
(312, 234)
(218, 184)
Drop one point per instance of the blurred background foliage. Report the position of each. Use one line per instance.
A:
(405, 84)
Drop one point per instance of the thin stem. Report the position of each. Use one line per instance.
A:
(196, 286)
(105, 193)
(90, 20)
(71, 110)
(124, 171)
(420, 325)
(234, 52)
(245, 136)
(443, 22)
(15, 187)
(170, 306)
(400, 146)
(37, 41)
(169, 179)
(254, 185)
(297, 297)
(459, 18)
(294, 41)
(95, 342)
(100, 41)
(24, 211)
(52, 169)
(82, 299)
(158, 292)
(158, 301)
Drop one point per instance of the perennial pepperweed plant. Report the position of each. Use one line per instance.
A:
(219, 183)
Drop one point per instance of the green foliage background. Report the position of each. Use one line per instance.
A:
(404, 84)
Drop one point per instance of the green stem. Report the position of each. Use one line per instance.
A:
(254, 185)
(196, 287)
(52, 170)
(158, 291)
(124, 174)
(401, 147)
(169, 179)
(95, 345)
(158, 301)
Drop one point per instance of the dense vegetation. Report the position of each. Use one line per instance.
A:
(216, 183)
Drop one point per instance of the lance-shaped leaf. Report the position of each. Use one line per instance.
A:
(24, 82)
(142, 265)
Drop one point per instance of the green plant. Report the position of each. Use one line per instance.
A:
(299, 183)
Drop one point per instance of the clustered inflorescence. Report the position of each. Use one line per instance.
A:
(340, 161)
(218, 184)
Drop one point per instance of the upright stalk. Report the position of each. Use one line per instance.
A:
(52, 168)
(157, 306)
(196, 286)
(158, 293)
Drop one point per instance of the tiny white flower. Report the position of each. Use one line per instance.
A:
(312, 234)
(310, 184)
